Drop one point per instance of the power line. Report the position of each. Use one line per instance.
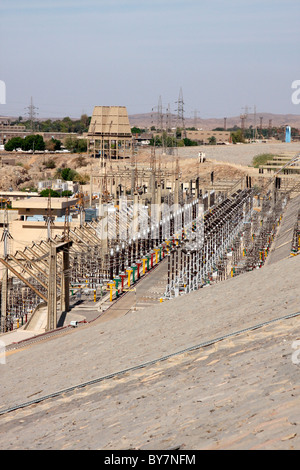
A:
(32, 112)
(180, 113)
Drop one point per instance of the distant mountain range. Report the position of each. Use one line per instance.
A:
(147, 120)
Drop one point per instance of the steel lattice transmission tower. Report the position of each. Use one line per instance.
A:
(32, 112)
(180, 114)
(159, 115)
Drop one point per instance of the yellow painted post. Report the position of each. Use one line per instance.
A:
(144, 262)
(94, 295)
(111, 286)
(129, 271)
(156, 250)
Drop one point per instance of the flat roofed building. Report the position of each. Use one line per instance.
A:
(109, 135)
(205, 136)
(27, 220)
(15, 195)
(39, 206)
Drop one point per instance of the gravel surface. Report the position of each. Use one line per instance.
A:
(101, 348)
(240, 154)
(240, 393)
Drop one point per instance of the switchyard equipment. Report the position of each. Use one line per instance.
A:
(207, 236)
(237, 238)
(296, 237)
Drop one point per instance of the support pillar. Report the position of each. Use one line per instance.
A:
(65, 283)
(4, 299)
(52, 295)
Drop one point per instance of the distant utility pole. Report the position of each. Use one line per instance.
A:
(225, 123)
(160, 124)
(260, 124)
(180, 114)
(255, 125)
(4, 284)
(244, 117)
(169, 150)
(246, 113)
(49, 218)
(159, 116)
(195, 119)
(31, 113)
(270, 128)
(169, 119)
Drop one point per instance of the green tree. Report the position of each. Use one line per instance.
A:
(156, 141)
(13, 144)
(67, 174)
(189, 142)
(33, 142)
(53, 144)
(212, 140)
(76, 145)
(237, 136)
(45, 193)
(66, 193)
(81, 146)
(85, 121)
(136, 130)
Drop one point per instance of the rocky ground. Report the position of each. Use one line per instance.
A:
(229, 162)
(24, 171)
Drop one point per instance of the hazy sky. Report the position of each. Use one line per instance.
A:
(71, 55)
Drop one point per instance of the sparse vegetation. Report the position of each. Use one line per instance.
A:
(82, 178)
(53, 144)
(49, 164)
(262, 159)
(80, 161)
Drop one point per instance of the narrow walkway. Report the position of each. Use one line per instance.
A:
(146, 293)
(283, 241)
